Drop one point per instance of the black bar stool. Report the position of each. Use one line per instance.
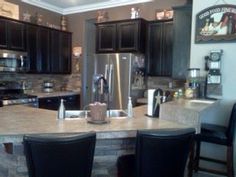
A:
(220, 135)
(159, 153)
(59, 156)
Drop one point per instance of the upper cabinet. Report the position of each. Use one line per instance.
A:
(60, 45)
(159, 48)
(182, 40)
(38, 49)
(106, 38)
(121, 36)
(49, 50)
(12, 35)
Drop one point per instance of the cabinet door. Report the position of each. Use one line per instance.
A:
(154, 49)
(182, 35)
(72, 102)
(3, 33)
(65, 60)
(43, 50)
(127, 36)
(60, 49)
(51, 103)
(55, 51)
(31, 39)
(159, 49)
(16, 35)
(38, 49)
(106, 38)
(167, 49)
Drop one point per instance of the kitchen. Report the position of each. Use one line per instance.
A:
(196, 58)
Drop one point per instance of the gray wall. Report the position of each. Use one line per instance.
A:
(147, 11)
(198, 51)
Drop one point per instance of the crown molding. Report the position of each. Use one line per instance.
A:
(83, 8)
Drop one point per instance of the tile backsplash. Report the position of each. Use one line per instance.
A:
(164, 83)
(34, 82)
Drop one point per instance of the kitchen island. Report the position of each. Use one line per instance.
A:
(113, 139)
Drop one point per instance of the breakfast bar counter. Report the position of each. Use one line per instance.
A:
(20, 120)
(113, 139)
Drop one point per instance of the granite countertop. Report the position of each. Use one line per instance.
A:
(188, 112)
(54, 94)
(192, 104)
(20, 120)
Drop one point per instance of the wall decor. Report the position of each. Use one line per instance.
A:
(134, 12)
(164, 14)
(216, 24)
(102, 16)
(9, 10)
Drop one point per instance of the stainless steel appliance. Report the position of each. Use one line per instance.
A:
(13, 61)
(11, 93)
(123, 75)
(48, 86)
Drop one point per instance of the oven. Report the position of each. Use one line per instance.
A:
(11, 93)
(27, 100)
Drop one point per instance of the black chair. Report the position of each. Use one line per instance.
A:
(159, 153)
(60, 156)
(220, 135)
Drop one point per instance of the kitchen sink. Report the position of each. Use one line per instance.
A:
(113, 113)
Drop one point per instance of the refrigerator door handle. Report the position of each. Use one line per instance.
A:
(110, 82)
(106, 71)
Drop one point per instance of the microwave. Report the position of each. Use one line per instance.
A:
(13, 61)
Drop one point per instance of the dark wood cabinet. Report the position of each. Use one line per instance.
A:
(49, 50)
(3, 33)
(43, 50)
(182, 40)
(60, 52)
(12, 35)
(121, 36)
(31, 40)
(65, 52)
(106, 38)
(71, 102)
(159, 48)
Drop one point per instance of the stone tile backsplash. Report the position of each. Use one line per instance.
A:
(164, 83)
(34, 82)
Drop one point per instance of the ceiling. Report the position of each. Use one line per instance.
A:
(76, 6)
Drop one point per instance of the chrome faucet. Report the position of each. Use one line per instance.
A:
(100, 88)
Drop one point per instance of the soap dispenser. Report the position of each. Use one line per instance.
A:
(61, 110)
(130, 108)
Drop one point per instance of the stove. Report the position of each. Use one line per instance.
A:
(13, 94)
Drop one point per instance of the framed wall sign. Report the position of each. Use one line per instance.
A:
(9, 10)
(216, 24)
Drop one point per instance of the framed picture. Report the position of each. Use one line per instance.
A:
(216, 24)
(9, 10)
(164, 14)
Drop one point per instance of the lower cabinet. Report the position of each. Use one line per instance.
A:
(71, 102)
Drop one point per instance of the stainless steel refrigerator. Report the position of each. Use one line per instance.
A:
(120, 71)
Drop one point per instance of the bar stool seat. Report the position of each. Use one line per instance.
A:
(220, 135)
(159, 153)
(59, 156)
